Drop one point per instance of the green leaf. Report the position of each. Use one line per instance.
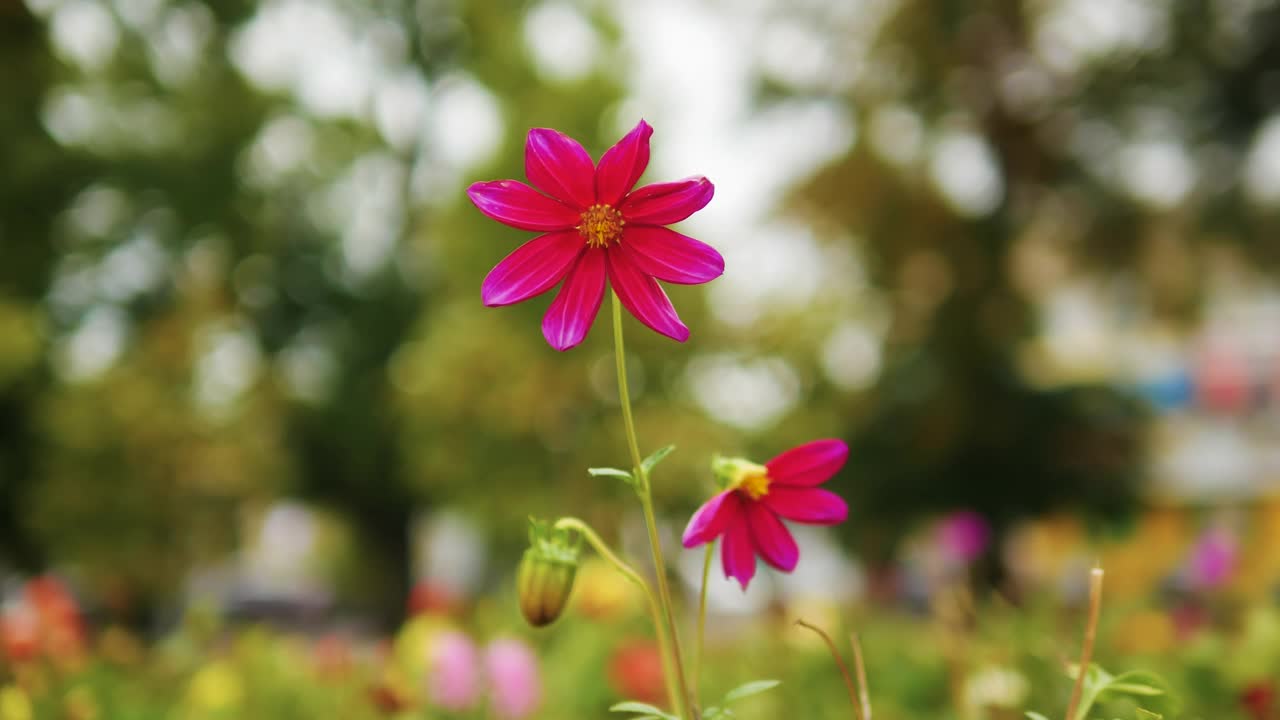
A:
(1095, 681)
(649, 711)
(1138, 682)
(754, 687)
(658, 456)
(1148, 715)
(1035, 716)
(1098, 682)
(1134, 689)
(612, 472)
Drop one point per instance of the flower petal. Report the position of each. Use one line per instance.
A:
(513, 203)
(807, 505)
(531, 269)
(668, 255)
(644, 298)
(574, 309)
(771, 538)
(810, 464)
(737, 555)
(711, 519)
(663, 203)
(623, 164)
(558, 165)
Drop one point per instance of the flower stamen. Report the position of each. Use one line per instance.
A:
(601, 226)
(755, 485)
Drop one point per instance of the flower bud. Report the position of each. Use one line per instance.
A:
(729, 472)
(546, 573)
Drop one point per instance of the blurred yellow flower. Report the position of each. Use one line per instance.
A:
(602, 592)
(1136, 563)
(413, 643)
(1146, 632)
(80, 704)
(14, 704)
(215, 687)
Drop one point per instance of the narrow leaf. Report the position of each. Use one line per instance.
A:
(658, 456)
(633, 706)
(1035, 716)
(1144, 677)
(748, 689)
(611, 472)
(1134, 689)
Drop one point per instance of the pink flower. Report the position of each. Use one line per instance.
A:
(597, 228)
(1213, 558)
(963, 536)
(749, 513)
(453, 680)
(515, 687)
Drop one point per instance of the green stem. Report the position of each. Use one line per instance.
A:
(672, 650)
(604, 551)
(702, 620)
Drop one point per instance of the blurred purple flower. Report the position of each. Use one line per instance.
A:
(453, 680)
(963, 536)
(1213, 558)
(515, 686)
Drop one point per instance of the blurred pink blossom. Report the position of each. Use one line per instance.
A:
(1223, 380)
(453, 679)
(963, 536)
(1213, 558)
(514, 683)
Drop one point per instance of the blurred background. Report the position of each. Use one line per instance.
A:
(1021, 254)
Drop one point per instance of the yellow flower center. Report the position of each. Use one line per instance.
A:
(752, 479)
(601, 226)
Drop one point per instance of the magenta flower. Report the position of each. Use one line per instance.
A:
(1213, 558)
(963, 536)
(515, 686)
(749, 513)
(597, 228)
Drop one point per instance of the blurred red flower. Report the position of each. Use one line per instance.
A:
(635, 672)
(45, 620)
(1258, 699)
